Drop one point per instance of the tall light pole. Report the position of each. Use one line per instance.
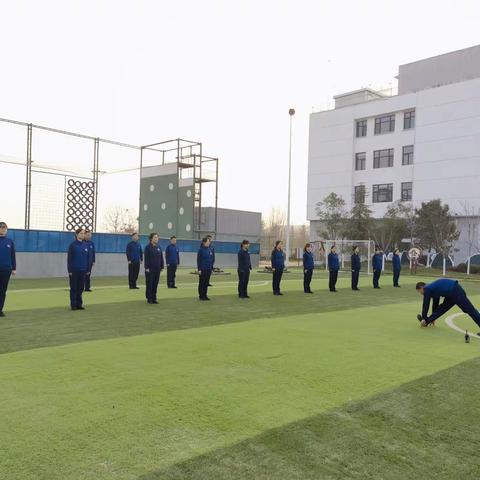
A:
(291, 112)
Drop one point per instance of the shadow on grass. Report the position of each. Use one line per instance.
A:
(425, 429)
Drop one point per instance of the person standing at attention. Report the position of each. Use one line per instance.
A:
(135, 258)
(377, 264)
(397, 267)
(153, 256)
(333, 268)
(91, 259)
(278, 266)
(8, 263)
(308, 266)
(244, 267)
(204, 267)
(77, 266)
(356, 266)
(172, 258)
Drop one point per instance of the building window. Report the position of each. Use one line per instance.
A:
(383, 158)
(382, 193)
(409, 120)
(406, 191)
(360, 161)
(361, 128)
(385, 124)
(407, 155)
(359, 194)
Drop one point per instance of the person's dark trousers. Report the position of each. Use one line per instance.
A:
(396, 276)
(203, 281)
(465, 304)
(332, 280)
(171, 271)
(77, 284)
(133, 271)
(4, 279)
(307, 278)
(355, 277)
(152, 278)
(277, 278)
(88, 278)
(376, 278)
(243, 278)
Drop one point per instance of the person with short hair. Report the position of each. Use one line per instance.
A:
(204, 267)
(243, 270)
(308, 267)
(397, 267)
(452, 293)
(333, 268)
(377, 265)
(77, 267)
(172, 259)
(278, 266)
(8, 264)
(153, 263)
(356, 265)
(91, 259)
(134, 254)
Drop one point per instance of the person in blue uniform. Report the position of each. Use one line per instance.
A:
(153, 263)
(355, 264)
(212, 248)
(397, 267)
(172, 258)
(204, 267)
(8, 263)
(333, 268)
(91, 259)
(452, 293)
(278, 266)
(77, 266)
(244, 267)
(377, 265)
(308, 266)
(134, 254)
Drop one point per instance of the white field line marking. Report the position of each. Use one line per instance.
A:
(106, 287)
(449, 321)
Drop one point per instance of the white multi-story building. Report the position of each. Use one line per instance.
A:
(419, 145)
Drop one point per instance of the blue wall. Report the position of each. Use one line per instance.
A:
(55, 242)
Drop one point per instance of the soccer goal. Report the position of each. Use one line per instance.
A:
(321, 249)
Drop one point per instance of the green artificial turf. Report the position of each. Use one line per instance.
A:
(339, 386)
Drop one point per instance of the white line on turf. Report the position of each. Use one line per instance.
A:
(449, 321)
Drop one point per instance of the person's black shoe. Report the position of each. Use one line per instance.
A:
(378, 288)
(210, 285)
(80, 308)
(207, 298)
(135, 288)
(334, 291)
(2, 314)
(280, 293)
(89, 290)
(246, 296)
(155, 302)
(478, 334)
(73, 308)
(149, 302)
(309, 291)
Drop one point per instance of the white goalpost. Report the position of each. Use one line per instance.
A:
(321, 249)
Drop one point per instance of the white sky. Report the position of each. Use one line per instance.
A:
(221, 72)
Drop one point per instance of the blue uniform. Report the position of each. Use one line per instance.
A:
(134, 254)
(333, 268)
(453, 294)
(172, 258)
(356, 265)
(397, 267)
(278, 264)
(8, 264)
(308, 266)
(153, 262)
(205, 260)
(91, 261)
(77, 266)
(243, 270)
(377, 264)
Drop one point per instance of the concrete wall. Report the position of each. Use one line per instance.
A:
(50, 265)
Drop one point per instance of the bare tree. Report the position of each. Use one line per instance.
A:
(119, 219)
(471, 218)
(273, 228)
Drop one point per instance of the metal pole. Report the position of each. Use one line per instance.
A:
(216, 197)
(96, 149)
(64, 223)
(291, 112)
(140, 190)
(368, 255)
(468, 265)
(28, 179)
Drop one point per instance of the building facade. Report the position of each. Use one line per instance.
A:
(417, 146)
